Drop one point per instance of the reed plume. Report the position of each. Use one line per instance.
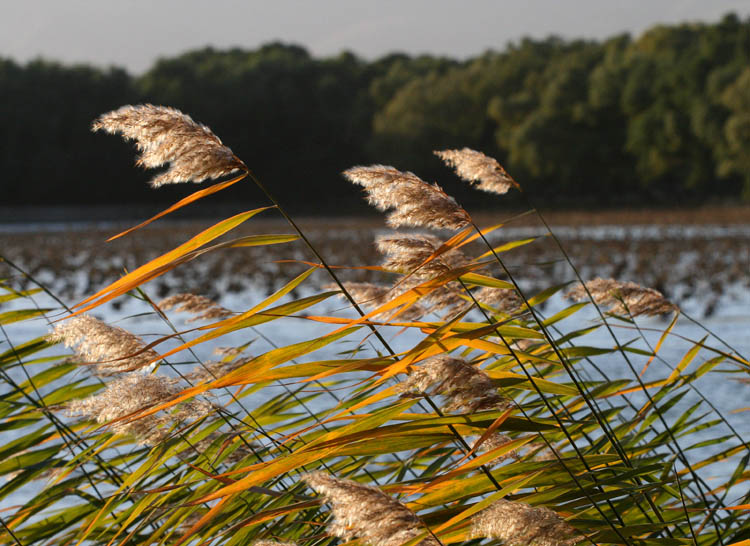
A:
(365, 512)
(201, 307)
(463, 386)
(481, 170)
(273, 543)
(134, 392)
(505, 300)
(373, 296)
(109, 348)
(407, 253)
(493, 442)
(210, 370)
(167, 136)
(624, 297)
(519, 524)
(413, 201)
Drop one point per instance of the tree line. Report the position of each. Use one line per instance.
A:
(661, 119)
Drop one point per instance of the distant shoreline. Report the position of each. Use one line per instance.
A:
(109, 215)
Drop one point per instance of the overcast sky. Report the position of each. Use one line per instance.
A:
(133, 33)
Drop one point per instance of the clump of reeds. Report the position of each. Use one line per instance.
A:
(109, 349)
(365, 512)
(413, 201)
(463, 386)
(623, 298)
(481, 170)
(519, 524)
(167, 136)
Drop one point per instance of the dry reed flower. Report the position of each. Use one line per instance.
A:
(624, 297)
(210, 370)
(505, 300)
(405, 253)
(414, 201)
(273, 543)
(132, 393)
(373, 296)
(519, 524)
(464, 387)
(494, 441)
(202, 307)
(240, 452)
(479, 169)
(167, 136)
(365, 512)
(110, 348)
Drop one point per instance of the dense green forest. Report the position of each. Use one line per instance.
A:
(661, 119)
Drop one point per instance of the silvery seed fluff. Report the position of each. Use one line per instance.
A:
(365, 512)
(273, 543)
(463, 386)
(494, 441)
(372, 296)
(167, 136)
(110, 348)
(134, 392)
(475, 167)
(413, 201)
(505, 300)
(210, 370)
(624, 297)
(519, 524)
(405, 253)
(201, 307)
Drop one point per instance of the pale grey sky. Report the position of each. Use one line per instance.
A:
(133, 33)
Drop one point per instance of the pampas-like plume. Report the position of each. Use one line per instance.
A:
(464, 387)
(201, 307)
(167, 136)
(475, 167)
(373, 296)
(494, 441)
(134, 392)
(110, 348)
(519, 524)
(365, 512)
(273, 543)
(414, 201)
(624, 297)
(211, 370)
(405, 253)
(505, 300)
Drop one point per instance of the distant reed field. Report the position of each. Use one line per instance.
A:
(437, 378)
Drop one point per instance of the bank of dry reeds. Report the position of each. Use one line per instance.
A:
(441, 406)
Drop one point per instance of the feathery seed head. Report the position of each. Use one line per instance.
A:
(463, 386)
(405, 253)
(134, 392)
(365, 512)
(414, 201)
(273, 543)
(373, 296)
(624, 297)
(519, 524)
(210, 370)
(110, 348)
(202, 307)
(505, 300)
(475, 167)
(167, 136)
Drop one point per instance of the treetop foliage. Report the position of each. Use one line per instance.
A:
(664, 118)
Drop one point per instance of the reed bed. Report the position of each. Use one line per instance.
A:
(438, 403)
